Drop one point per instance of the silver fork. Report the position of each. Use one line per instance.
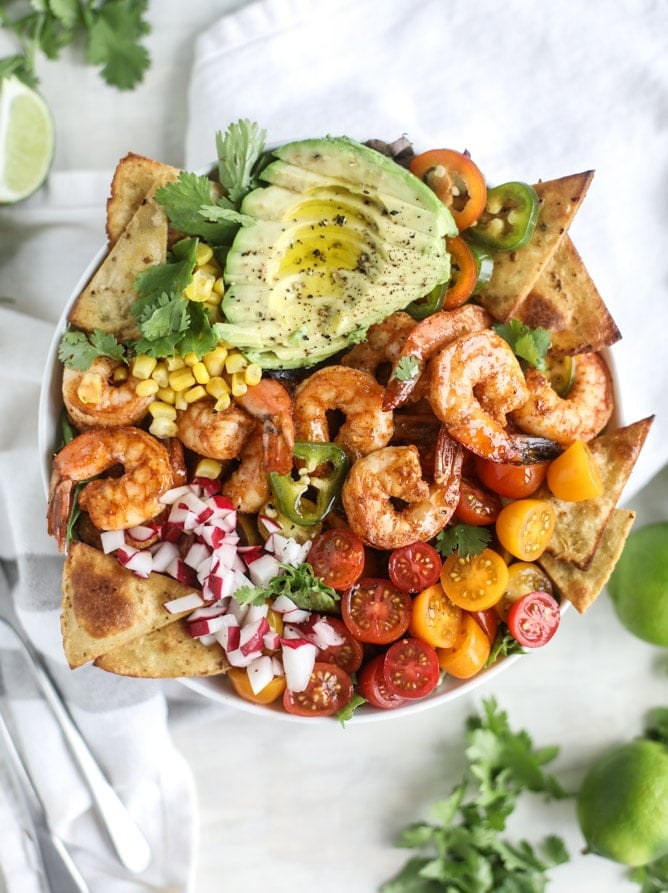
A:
(127, 840)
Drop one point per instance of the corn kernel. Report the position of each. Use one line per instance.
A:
(190, 359)
(90, 388)
(120, 374)
(219, 286)
(162, 427)
(200, 287)
(161, 374)
(179, 401)
(252, 374)
(182, 379)
(235, 362)
(239, 386)
(147, 387)
(208, 468)
(203, 254)
(167, 395)
(217, 386)
(201, 373)
(194, 394)
(215, 364)
(143, 366)
(161, 410)
(212, 269)
(174, 363)
(222, 403)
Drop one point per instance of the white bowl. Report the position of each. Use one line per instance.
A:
(217, 688)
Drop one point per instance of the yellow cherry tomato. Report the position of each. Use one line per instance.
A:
(523, 577)
(524, 527)
(574, 475)
(474, 582)
(469, 653)
(241, 684)
(435, 617)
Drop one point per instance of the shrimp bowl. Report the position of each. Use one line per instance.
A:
(360, 532)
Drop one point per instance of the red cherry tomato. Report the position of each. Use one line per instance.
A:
(411, 668)
(415, 567)
(488, 621)
(534, 619)
(329, 690)
(337, 557)
(513, 481)
(477, 505)
(372, 685)
(349, 655)
(376, 611)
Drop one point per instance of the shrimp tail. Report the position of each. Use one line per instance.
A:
(58, 511)
(397, 391)
(278, 441)
(532, 450)
(448, 460)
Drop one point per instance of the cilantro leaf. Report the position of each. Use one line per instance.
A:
(463, 538)
(407, 369)
(346, 713)
(299, 584)
(528, 344)
(77, 350)
(184, 199)
(239, 150)
(114, 42)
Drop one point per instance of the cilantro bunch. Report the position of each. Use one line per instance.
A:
(110, 32)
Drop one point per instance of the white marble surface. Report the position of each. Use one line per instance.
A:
(292, 807)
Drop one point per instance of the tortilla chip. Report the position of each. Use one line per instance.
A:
(516, 272)
(580, 525)
(167, 653)
(565, 300)
(581, 587)
(134, 178)
(105, 606)
(106, 302)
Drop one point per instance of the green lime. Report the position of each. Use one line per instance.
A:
(622, 805)
(26, 140)
(638, 586)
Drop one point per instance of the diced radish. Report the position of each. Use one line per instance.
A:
(181, 572)
(319, 631)
(205, 626)
(237, 610)
(237, 658)
(207, 640)
(292, 632)
(251, 553)
(178, 516)
(176, 493)
(216, 587)
(226, 554)
(269, 524)
(229, 633)
(297, 615)
(216, 610)
(184, 603)
(163, 556)
(197, 506)
(288, 551)
(264, 569)
(298, 662)
(142, 532)
(139, 562)
(208, 486)
(255, 612)
(223, 502)
(277, 665)
(260, 673)
(271, 640)
(112, 540)
(252, 635)
(283, 603)
(196, 554)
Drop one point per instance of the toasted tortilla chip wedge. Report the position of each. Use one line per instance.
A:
(105, 606)
(581, 587)
(106, 301)
(580, 525)
(134, 179)
(167, 653)
(516, 272)
(565, 300)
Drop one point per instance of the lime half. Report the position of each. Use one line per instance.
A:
(26, 140)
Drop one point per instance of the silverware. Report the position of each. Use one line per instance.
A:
(61, 873)
(126, 838)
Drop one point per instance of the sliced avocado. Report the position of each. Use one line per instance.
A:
(343, 237)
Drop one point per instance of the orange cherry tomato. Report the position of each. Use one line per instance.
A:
(523, 577)
(456, 180)
(241, 684)
(474, 582)
(524, 527)
(574, 476)
(477, 506)
(463, 273)
(469, 653)
(513, 481)
(435, 618)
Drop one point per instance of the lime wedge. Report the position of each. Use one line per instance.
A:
(26, 140)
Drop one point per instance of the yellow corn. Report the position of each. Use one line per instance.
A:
(212, 269)
(161, 410)
(223, 403)
(174, 363)
(219, 286)
(143, 366)
(200, 372)
(235, 362)
(167, 395)
(162, 427)
(200, 287)
(252, 374)
(90, 388)
(179, 401)
(217, 386)
(194, 394)
(208, 468)
(203, 254)
(190, 359)
(161, 374)
(239, 386)
(120, 374)
(215, 361)
(147, 387)
(181, 380)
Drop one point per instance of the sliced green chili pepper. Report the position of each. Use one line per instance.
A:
(484, 263)
(424, 307)
(509, 218)
(306, 500)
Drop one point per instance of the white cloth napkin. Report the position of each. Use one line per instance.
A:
(532, 90)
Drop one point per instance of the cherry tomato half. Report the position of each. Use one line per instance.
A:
(435, 618)
(513, 481)
(474, 582)
(488, 620)
(349, 654)
(477, 505)
(372, 685)
(413, 568)
(337, 557)
(523, 577)
(241, 684)
(469, 653)
(330, 688)
(456, 180)
(463, 273)
(411, 668)
(375, 611)
(534, 619)
(574, 475)
(524, 527)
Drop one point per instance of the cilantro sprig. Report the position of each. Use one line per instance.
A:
(77, 350)
(299, 584)
(461, 848)
(466, 539)
(530, 345)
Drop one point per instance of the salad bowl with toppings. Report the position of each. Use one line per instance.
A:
(332, 430)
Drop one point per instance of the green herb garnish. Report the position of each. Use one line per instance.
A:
(530, 345)
(77, 350)
(466, 539)
(299, 584)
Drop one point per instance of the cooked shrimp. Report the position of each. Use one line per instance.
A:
(270, 402)
(424, 341)
(248, 485)
(93, 400)
(217, 435)
(354, 393)
(113, 503)
(388, 502)
(382, 345)
(476, 380)
(580, 415)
